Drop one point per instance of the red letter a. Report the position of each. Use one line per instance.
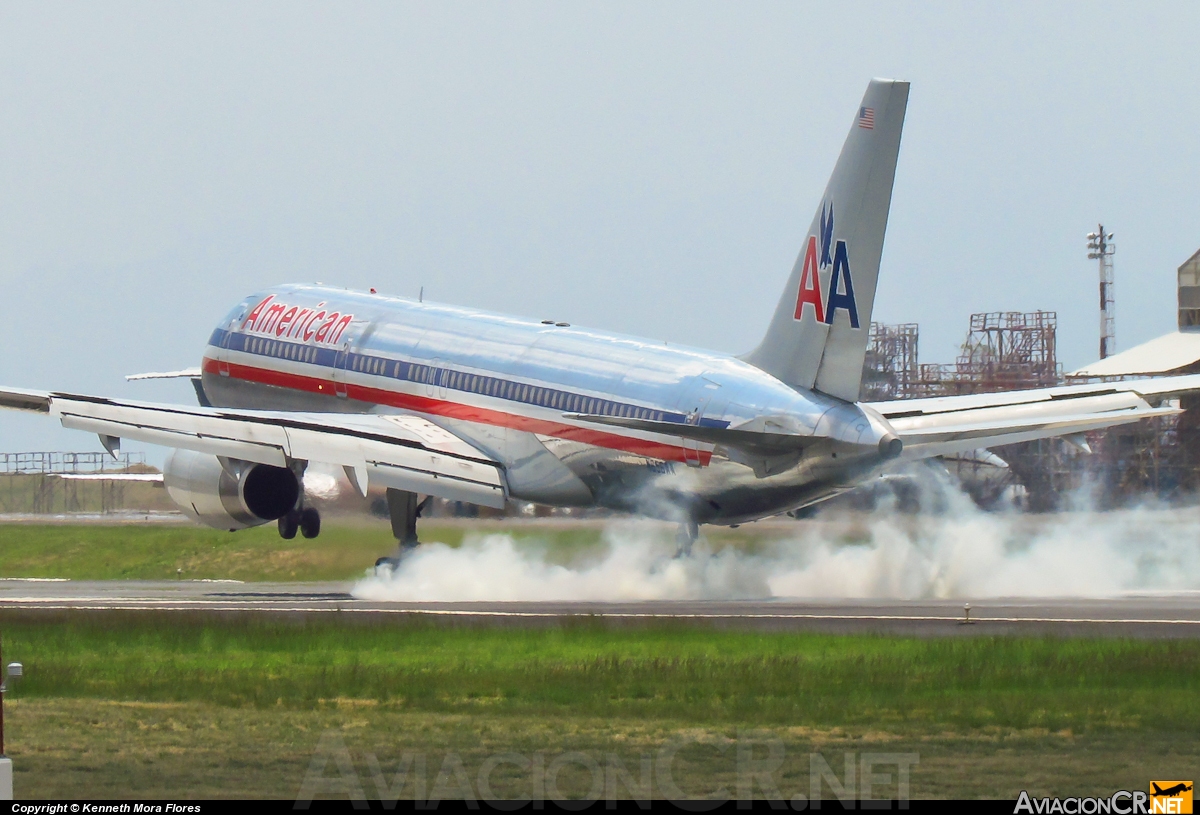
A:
(810, 284)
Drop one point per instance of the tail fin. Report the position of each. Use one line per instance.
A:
(818, 336)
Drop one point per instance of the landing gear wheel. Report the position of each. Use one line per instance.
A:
(386, 564)
(404, 509)
(288, 524)
(310, 523)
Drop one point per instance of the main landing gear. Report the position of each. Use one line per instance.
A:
(404, 509)
(307, 521)
(688, 532)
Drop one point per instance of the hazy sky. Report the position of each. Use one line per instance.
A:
(643, 167)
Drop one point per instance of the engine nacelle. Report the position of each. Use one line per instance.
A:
(240, 496)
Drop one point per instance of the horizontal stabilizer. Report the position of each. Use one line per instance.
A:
(186, 373)
(151, 478)
(966, 435)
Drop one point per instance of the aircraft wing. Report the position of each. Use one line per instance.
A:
(404, 452)
(951, 424)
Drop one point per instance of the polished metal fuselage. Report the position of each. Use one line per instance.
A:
(509, 386)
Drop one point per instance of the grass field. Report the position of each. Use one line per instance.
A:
(164, 705)
(342, 552)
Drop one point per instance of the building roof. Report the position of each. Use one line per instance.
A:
(1161, 355)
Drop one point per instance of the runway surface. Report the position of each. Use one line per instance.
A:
(1144, 615)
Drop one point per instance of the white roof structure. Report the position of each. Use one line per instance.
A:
(1161, 355)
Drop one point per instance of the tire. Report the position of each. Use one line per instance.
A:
(385, 566)
(310, 523)
(288, 524)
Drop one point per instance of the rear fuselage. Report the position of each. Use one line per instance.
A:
(505, 383)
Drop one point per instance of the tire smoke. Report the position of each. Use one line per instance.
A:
(959, 552)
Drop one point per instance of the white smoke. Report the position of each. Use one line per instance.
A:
(962, 552)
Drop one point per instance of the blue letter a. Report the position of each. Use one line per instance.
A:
(837, 299)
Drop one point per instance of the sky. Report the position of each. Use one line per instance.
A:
(648, 168)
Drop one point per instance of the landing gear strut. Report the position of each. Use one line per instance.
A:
(685, 537)
(300, 518)
(404, 509)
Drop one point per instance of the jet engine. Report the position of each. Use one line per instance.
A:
(234, 495)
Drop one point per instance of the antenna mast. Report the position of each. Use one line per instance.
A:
(1101, 248)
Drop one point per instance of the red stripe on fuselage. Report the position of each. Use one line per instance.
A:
(456, 410)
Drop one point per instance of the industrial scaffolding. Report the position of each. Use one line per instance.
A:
(1011, 350)
(1003, 351)
(891, 368)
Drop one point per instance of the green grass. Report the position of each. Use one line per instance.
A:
(159, 551)
(95, 749)
(587, 669)
(188, 704)
(168, 552)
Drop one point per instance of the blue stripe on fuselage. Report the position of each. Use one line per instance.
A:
(448, 378)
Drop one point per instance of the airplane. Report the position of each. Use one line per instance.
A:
(1170, 792)
(467, 405)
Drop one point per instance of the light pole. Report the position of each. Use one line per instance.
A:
(1101, 248)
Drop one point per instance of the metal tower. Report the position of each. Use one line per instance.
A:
(1101, 248)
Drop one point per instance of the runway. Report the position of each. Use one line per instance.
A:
(1174, 615)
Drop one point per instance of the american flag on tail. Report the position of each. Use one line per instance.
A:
(866, 118)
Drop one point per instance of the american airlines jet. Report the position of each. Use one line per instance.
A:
(438, 400)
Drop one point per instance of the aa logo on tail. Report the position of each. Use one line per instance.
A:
(840, 293)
